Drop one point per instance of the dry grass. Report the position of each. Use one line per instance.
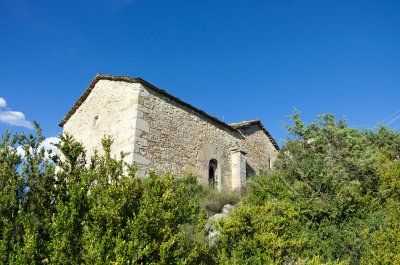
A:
(214, 200)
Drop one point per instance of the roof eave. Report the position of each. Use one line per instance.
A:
(99, 77)
(258, 123)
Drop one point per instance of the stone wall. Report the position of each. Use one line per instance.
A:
(114, 104)
(261, 153)
(159, 133)
(180, 140)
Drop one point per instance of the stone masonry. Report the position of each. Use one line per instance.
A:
(161, 133)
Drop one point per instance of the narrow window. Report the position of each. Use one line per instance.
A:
(95, 121)
(212, 172)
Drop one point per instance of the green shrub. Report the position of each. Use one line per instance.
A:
(96, 214)
(333, 198)
(214, 201)
(330, 199)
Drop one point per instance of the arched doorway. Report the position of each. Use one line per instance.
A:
(212, 173)
(212, 155)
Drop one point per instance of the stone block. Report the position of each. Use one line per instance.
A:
(140, 160)
(140, 124)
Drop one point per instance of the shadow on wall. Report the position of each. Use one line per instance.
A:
(250, 130)
(250, 171)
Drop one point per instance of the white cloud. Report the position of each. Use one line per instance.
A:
(47, 144)
(3, 103)
(15, 118)
(21, 152)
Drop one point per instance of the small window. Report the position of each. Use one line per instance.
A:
(95, 121)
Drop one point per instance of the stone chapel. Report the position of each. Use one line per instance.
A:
(164, 134)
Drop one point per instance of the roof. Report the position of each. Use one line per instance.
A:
(244, 124)
(232, 127)
(139, 80)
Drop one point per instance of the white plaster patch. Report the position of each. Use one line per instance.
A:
(141, 125)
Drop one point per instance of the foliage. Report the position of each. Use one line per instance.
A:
(96, 214)
(331, 199)
(213, 200)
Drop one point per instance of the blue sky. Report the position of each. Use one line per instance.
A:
(237, 60)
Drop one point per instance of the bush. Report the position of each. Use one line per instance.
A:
(214, 201)
(331, 199)
(96, 214)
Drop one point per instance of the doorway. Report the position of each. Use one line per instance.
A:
(212, 171)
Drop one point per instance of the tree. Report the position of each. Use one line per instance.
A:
(93, 213)
(330, 186)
